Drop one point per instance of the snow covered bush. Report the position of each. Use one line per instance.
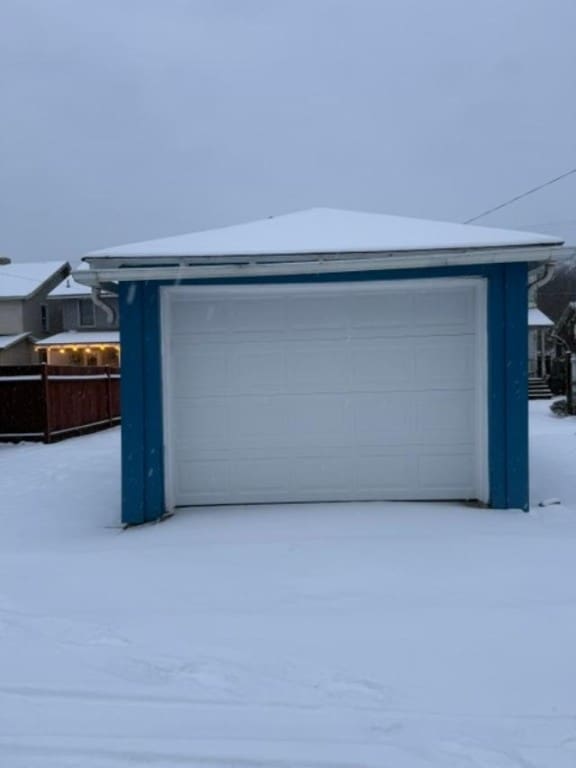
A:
(560, 407)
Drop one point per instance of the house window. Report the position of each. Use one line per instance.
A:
(86, 312)
(44, 317)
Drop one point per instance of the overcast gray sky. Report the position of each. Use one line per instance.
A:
(125, 120)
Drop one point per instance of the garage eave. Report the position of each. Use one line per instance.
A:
(112, 270)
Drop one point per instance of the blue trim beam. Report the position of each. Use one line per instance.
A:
(141, 400)
(516, 377)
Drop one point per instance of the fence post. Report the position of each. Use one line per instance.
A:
(46, 398)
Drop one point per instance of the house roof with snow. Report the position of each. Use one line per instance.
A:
(72, 289)
(537, 319)
(327, 231)
(69, 288)
(21, 280)
(80, 338)
(9, 341)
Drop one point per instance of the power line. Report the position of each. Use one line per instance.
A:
(519, 197)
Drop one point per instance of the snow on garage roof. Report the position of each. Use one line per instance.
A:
(80, 338)
(327, 230)
(22, 279)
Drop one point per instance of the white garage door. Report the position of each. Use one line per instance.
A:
(365, 391)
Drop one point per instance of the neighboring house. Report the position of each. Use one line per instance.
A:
(539, 354)
(550, 296)
(84, 333)
(539, 327)
(24, 288)
(324, 356)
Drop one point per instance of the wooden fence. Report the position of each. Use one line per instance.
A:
(52, 402)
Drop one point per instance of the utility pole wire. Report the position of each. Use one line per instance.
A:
(519, 197)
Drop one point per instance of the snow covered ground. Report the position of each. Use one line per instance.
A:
(311, 636)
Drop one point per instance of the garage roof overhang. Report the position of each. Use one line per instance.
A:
(104, 271)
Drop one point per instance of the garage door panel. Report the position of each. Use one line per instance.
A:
(263, 423)
(412, 418)
(382, 420)
(256, 368)
(322, 421)
(380, 311)
(444, 416)
(202, 425)
(283, 421)
(402, 332)
(446, 362)
(201, 316)
(257, 479)
(391, 474)
(200, 371)
(251, 368)
(320, 476)
(394, 478)
(351, 395)
(381, 365)
(323, 368)
(448, 308)
(439, 471)
(217, 369)
(271, 315)
(206, 480)
(307, 313)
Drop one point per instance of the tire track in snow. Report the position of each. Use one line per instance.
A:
(144, 698)
(155, 757)
(263, 753)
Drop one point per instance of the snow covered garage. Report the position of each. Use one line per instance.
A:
(323, 355)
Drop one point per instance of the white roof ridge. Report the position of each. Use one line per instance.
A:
(328, 230)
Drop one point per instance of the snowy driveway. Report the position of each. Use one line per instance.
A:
(400, 635)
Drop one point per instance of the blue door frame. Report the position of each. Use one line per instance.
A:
(141, 393)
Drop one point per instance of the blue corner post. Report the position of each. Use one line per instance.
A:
(141, 400)
(516, 295)
(508, 334)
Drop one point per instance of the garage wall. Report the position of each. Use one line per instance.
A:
(142, 431)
